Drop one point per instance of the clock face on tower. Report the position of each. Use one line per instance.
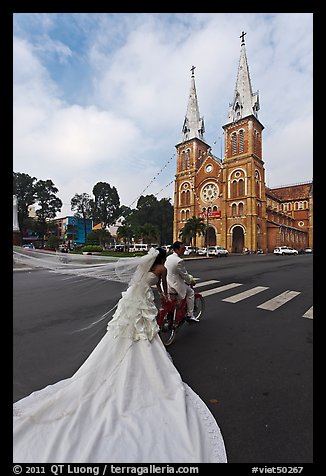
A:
(209, 192)
(208, 168)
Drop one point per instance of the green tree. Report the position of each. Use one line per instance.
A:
(45, 194)
(24, 189)
(53, 242)
(124, 211)
(83, 206)
(125, 233)
(157, 213)
(98, 237)
(149, 233)
(106, 204)
(193, 227)
(166, 221)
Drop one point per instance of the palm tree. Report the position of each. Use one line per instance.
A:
(125, 233)
(150, 233)
(193, 227)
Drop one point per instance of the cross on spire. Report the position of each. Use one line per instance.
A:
(192, 69)
(242, 38)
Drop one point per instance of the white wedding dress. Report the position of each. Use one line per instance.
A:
(126, 403)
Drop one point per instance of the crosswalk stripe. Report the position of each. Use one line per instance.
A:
(245, 294)
(309, 314)
(220, 289)
(206, 283)
(278, 301)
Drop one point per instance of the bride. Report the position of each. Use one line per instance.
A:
(127, 402)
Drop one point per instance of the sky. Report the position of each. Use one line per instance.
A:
(101, 97)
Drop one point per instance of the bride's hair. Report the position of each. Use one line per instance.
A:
(161, 257)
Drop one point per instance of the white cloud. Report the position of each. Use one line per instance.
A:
(111, 109)
(288, 155)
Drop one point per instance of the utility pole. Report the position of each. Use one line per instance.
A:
(207, 226)
(207, 212)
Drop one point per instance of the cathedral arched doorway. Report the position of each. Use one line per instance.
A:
(237, 239)
(211, 237)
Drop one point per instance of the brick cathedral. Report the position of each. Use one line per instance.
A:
(230, 194)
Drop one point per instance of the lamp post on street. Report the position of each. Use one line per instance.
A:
(207, 226)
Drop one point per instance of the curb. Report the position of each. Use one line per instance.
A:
(23, 269)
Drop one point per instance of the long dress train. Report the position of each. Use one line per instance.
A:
(125, 404)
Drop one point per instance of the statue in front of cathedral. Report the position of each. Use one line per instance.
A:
(15, 214)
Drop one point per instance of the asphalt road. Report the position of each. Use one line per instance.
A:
(251, 366)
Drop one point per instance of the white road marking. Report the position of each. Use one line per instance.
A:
(220, 289)
(198, 285)
(245, 294)
(309, 314)
(279, 300)
(206, 283)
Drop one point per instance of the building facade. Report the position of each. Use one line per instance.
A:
(73, 230)
(230, 194)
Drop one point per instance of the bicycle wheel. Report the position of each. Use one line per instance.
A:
(167, 332)
(199, 306)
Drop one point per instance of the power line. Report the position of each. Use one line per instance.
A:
(154, 178)
(150, 183)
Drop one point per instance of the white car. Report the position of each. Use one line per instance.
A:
(189, 250)
(217, 251)
(29, 247)
(167, 248)
(202, 252)
(285, 250)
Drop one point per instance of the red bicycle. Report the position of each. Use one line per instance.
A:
(172, 315)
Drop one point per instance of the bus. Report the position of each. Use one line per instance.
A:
(141, 247)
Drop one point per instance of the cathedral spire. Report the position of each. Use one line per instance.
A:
(193, 125)
(245, 103)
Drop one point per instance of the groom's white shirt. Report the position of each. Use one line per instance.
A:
(177, 275)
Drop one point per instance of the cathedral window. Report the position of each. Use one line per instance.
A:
(183, 160)
(240, 208)
(237, 110)
(234, 189)
(257, 189)
(188, 158)
(241, 141)
(234, 143)
(188, 197)
(256, 142)
(241, 187)
(234, 210)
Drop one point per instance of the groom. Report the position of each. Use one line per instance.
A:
(177, 277)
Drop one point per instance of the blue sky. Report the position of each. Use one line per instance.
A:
(102, 96)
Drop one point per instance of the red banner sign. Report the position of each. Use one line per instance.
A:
(216, 214)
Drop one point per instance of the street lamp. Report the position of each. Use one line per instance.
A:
(207, 226)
